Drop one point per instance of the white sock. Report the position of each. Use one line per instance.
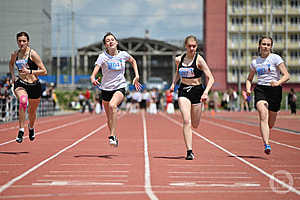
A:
(21, 129)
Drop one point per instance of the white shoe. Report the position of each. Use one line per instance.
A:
(113, 141)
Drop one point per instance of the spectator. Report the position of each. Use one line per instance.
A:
(292, 99)
(245, 103)
(216, 100)
(87, 97)
(225, 101)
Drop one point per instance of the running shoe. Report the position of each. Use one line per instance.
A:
(190, 155)
(19, 139)
(31, 133)
(113, 141)
(267, 149)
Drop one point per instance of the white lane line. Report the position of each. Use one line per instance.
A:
(234, 185)
(8, 184)
(84, 175)
(294, 132)
(216, 177)
(289, 187)
(207, 172)
(39, 122)
(191, 165)
(103, 180)
(81, 164)
(75, 183)
(48, 130)
(249, 134)
(74, 171)
(148, 188)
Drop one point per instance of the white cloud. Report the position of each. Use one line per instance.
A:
(191, 6)
(128, 8)
(66, 4)
(94, 22)
(166, 19)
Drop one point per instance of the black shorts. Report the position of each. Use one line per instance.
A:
(273, 95)
(191, 92)
(34, 90)
(108, 94)
(143, 104)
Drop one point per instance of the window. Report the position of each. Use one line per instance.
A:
(295, 37)
(256, 4)
(256, 20)
(236, 38)
(237, 4)
(295, 3)
(295, 55)
(254, 53)
(278, 37)
(295, 20)
(235, 54)
(277, 4)
(255, 37)
(277, 20)
(237, 20)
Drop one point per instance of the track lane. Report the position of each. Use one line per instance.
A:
(43, 125)
(92, 168)
(16, 158)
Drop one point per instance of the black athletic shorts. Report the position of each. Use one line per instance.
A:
(191, 92)
(108, 94)
(272, 95)
(143, 104)
(34, 90)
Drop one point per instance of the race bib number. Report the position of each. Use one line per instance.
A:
(115, 64)
(186, 72)
(20, 63)
(263, 69)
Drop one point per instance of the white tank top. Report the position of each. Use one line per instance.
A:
(113, 70)
(267, 69)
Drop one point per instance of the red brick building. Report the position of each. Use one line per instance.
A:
(215, 40)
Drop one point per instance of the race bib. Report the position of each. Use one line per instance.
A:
(20, 63)
(263, 69)
(186, 72)
(115, 64)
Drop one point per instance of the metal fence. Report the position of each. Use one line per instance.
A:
(9, 109)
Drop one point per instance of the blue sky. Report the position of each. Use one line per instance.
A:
(167, 20)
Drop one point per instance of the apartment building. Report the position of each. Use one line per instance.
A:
(246, 22)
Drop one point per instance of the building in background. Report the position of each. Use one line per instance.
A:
(155, 58)
(215, 40)
(32, 16)
(245, 22)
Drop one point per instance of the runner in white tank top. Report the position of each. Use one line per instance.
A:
(268, 91)
(113, 83)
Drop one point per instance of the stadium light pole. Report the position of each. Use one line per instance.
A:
(57, 52)
(73, 46)
(239, 68)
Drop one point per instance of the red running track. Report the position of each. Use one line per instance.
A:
(71, 159)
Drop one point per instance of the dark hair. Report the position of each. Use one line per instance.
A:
(107, 34)
(23, 34)
(188, 37)
(260, 40)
